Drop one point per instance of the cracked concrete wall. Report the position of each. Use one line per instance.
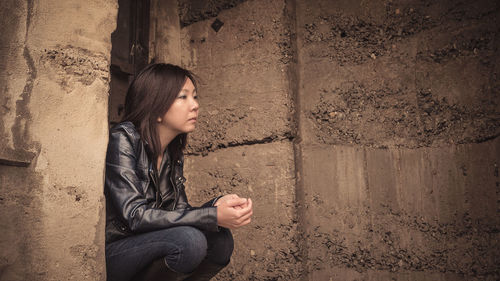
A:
(54, 81)
(395, 156)
(243, 65)
(399, 121)
(191, 11)
(265, 249)
(243, 140)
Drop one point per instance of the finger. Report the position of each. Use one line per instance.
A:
(227, 197)
(242, 206)
(245, 205)
(243, 212)
(244, 218)
(232, 214)
(235, 202)
(232, 196)
(247, 221)
(248, 206)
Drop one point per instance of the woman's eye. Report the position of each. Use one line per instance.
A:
(182, 97)
(195, 97)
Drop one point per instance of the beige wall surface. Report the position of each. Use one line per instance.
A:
(366, 132)
(242, 141)
(399, 119)
(55, 88)
(396, 153)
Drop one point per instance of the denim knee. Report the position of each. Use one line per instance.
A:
(192, 250)
(220, 246)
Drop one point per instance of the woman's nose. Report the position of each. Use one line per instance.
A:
(194, 104)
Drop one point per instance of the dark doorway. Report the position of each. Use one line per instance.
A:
(129, 53)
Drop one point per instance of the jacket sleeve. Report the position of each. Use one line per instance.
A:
(124, 186)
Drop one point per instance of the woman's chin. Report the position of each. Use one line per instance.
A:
(190, 129)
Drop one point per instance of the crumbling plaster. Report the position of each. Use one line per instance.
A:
(54, 205)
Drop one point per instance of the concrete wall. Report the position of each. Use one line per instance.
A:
(395, 156)
(366, 132)
(399, 119)
(242, 144)
(191, 11)
(54, 81)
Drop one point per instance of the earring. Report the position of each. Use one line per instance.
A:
(159, 119)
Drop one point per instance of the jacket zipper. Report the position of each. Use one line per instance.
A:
(173, 186)
(154, 178)
(175, 189)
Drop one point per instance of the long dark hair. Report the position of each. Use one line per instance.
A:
(149, 96)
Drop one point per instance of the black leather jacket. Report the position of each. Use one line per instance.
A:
(138, 199)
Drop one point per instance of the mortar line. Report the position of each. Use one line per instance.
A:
(246, 143)
(294, 76)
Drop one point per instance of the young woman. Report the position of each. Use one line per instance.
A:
(152, 233)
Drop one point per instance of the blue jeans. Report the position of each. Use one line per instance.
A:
(183, 247)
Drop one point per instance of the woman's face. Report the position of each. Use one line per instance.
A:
(182, 115)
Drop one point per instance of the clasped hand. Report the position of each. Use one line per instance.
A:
(233, 212)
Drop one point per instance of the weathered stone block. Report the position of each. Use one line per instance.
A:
(244, 83)
(55, 87)
(266, 248)
(252, 33)
(409, 76)
(401, 210)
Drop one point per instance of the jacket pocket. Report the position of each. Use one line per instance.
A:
(121, 227)
(116, 230)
